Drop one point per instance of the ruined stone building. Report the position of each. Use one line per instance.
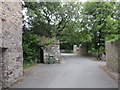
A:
(11, 57)
(11, 52)
(49, 49)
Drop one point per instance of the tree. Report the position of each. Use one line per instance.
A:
(50, 18)
(96, 20)
(91, 23)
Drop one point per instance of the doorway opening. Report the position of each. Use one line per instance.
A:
(0, 68)
(2, 58)
(41, 56)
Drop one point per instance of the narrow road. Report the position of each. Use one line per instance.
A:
(74, 72)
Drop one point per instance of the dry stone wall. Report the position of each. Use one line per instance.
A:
(113, 55)
(11, 45)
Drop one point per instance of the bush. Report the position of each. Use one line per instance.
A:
(30, 48)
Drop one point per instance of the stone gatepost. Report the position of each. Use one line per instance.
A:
(75, 49)
(80, 51)
(11, 48)
(113, 55)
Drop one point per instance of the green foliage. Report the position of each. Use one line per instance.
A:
(51, 59)
(66, 46)
(50, 18)
(101, 20)
(91, 23)
(73, 34)
(46, 42)
(113, 29)
(30, 48)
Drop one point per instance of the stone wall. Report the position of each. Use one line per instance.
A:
(75, 49)
(79, 50)
(53, 50)
(0, 24)
(0, 68)
(12, 56)
(0, 47)
(113, 55)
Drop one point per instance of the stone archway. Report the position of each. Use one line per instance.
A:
(3, 67)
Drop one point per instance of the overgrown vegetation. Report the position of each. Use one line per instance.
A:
(30, 48)
(90, 23)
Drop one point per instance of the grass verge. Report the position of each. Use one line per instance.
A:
(28, 65)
